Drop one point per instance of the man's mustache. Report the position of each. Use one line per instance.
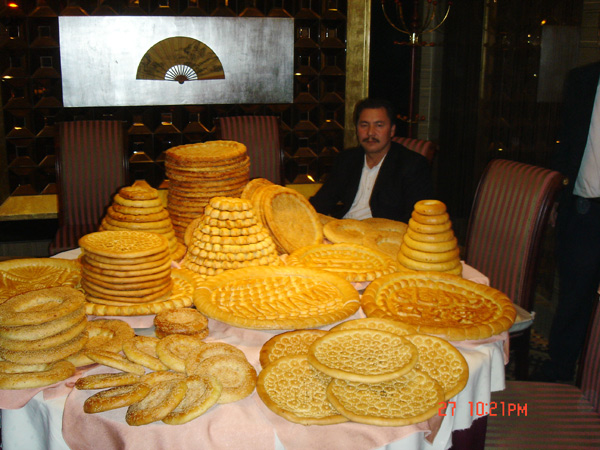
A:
(370, 140)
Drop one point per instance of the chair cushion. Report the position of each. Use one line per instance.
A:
(542, 415)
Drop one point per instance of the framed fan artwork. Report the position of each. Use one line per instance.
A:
(142, 61)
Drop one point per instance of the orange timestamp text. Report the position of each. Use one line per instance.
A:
(485, 409)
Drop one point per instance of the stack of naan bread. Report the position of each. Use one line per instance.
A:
(199, 172)
(371, 371)
(129, 273)
(186, 377)
(228, 236)
(139, 207)
(429, 243)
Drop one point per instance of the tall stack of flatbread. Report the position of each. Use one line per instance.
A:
(429, 243)
(371, 371)
(228, 236)
(125, 267)
(287, 215)
(139, 207)
(39, 329)
(199, 172)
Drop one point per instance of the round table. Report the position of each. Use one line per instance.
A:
(54, 418)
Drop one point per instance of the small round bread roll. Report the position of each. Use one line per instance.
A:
(181, 321)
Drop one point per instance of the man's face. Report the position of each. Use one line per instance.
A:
(374, 130)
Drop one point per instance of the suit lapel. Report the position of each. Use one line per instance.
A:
(386, 172)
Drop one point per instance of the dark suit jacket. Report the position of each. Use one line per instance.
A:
(404, 178)
(579, 96)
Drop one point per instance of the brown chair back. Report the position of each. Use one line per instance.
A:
(91, 166)
(426, 148)
(509, 215)
(260, 135)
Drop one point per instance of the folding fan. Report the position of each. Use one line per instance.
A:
(180, 59)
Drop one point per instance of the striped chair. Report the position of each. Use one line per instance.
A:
(506, 226)
(559, 416)
(260, 135)
(426, 148)
(91, 166)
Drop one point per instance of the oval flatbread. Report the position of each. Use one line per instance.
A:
(22, 275)
(440, 304)
(356, 263)
(276, 298)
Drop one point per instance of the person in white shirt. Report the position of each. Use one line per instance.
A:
(379, 178)
(578, 223)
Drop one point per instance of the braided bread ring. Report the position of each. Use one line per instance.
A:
(40, 306)
(202, 393)
(160, 401)
(430, 257)
(174, 349)
(44, 343)
(116, 361)
(116, 397)
(430, 207)
(49, 355)
(13, 376)
(142, 350)
(43, 330)
(434, 247)
(430, 220)
(106, 380)
(436, 237)
(429, 229)
(417, 265)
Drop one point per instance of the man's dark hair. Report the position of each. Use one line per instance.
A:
(375, 103)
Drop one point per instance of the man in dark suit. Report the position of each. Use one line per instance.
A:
(379, 178)
(578, 224)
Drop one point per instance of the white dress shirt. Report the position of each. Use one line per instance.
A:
(360, 208)
(587, 183)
